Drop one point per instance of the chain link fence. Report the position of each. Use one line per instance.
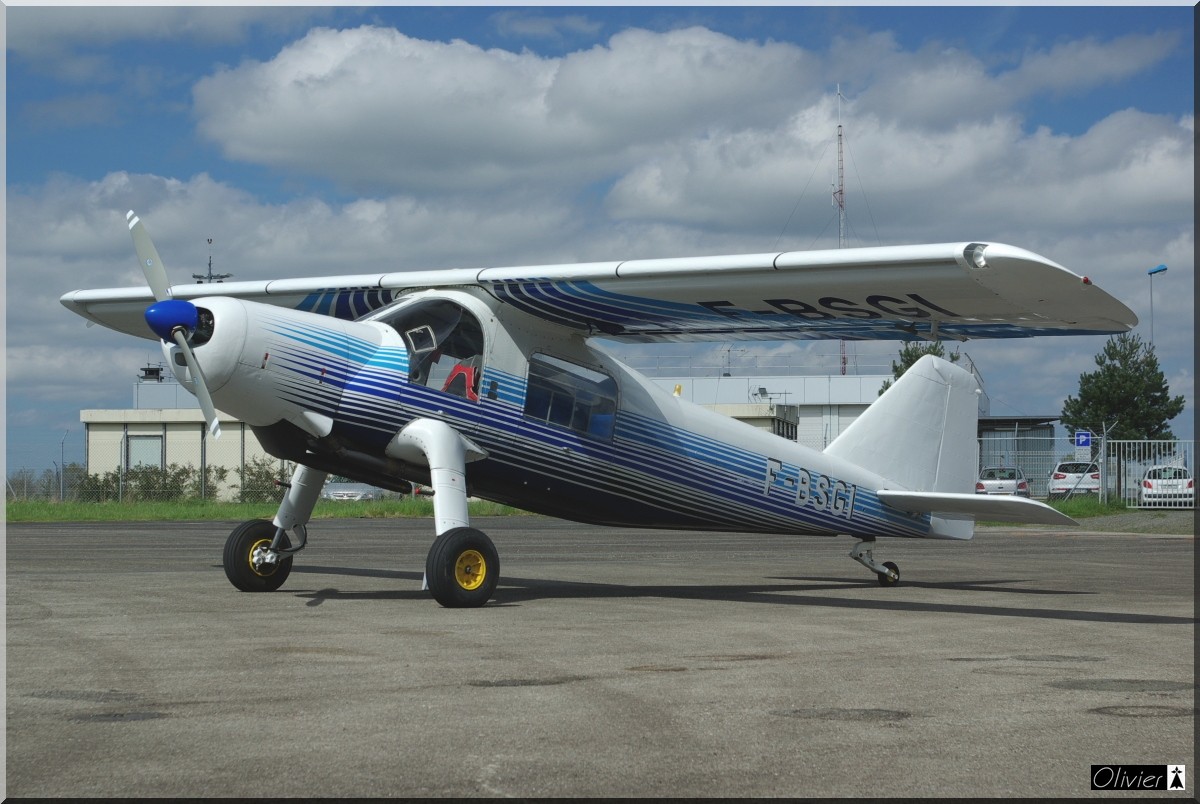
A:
(137, 467)
(159, 464)
(256, 481)
(1122, 466)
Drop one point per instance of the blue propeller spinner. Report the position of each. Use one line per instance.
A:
(166, 316)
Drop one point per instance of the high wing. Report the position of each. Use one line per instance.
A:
(939, 291)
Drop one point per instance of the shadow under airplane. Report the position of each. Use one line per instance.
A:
(797, 591)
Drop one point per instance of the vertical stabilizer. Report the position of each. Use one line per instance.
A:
(921, 434)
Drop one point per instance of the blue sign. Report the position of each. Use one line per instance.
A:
(1083, 438)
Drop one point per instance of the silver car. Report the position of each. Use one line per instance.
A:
(350, 491)
(1002, 480)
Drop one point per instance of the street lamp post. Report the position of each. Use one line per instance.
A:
(1158, 269)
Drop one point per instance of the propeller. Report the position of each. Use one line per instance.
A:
(173, 320)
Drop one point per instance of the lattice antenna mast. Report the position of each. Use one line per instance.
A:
(839, 195)
(839, 198)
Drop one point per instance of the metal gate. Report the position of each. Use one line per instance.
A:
(1149, 474)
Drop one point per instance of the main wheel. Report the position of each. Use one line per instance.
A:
(462, 568)
(242, 558)
(884, 580)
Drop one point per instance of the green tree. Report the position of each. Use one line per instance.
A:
(155, 483)
(23, 484)
(1127, 396)
(207, 485)
(100, 487)
(911, 352)
(73, 478)
(258, 480)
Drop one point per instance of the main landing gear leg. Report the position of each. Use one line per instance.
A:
(258, 554)
(888, 573)
(463, 567)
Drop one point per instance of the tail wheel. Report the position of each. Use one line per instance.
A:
(462, 569)
(243, 555)
(884, 580)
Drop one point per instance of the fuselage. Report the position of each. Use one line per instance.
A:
(567, 429)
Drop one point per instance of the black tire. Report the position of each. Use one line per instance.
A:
(462, 568)
(240, 547)
(884, 580)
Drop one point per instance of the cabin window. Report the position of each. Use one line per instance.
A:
(571, 396)
(445, 346)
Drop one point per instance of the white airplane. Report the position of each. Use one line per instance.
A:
(486, 382)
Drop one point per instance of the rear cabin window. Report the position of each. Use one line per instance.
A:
(571, 396)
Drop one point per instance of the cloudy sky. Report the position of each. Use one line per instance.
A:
(310, 141)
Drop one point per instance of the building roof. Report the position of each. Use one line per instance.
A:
(1009, 422)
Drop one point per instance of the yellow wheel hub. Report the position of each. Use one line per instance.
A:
(269, 570)
(470, 569)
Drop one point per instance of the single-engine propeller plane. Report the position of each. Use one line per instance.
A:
(489, 382)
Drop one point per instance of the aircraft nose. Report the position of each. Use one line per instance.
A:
(217, 341)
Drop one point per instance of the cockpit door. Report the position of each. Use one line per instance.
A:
(445, 345)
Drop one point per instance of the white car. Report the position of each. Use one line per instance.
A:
(1167, 486)
(1002, 480)
(1074, 477)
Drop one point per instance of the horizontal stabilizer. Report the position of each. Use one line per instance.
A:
(974, 506)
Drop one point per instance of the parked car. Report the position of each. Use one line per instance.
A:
(1074, 477)
(1002, 480)
(350, 491)
(1167, 486)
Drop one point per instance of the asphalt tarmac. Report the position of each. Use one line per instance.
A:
(610, 663)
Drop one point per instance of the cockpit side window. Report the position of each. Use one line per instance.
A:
(445, 346)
